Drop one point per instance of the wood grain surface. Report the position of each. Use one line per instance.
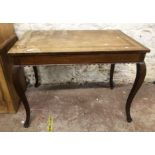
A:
(76, 41)
(6, 30)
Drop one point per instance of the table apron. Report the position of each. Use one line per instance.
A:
(77, 59)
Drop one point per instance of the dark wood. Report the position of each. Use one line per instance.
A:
(35, 69)
(21, 94)
(112, 67)
(83, 58)
(141, 72)
(81, 47)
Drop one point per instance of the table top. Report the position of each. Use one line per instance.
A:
(76, 41)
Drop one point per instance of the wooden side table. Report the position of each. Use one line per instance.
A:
(80, 47)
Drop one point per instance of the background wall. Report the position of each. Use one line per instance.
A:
(124, 74)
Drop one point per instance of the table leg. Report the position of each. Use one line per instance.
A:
(21, 93)
(141, 72)
(111, 76)
(36, 76)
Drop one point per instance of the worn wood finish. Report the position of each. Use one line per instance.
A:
(74, 41)
(81, 47)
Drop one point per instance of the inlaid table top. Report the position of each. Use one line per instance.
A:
(76, 41)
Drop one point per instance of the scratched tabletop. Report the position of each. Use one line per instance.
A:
(61, 41)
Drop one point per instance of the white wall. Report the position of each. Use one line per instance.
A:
(145, 33)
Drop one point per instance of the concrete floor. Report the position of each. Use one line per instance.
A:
(85, 109)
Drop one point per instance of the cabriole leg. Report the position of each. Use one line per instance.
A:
(21, 93)
(140, 76)
(36, 76)
(111, 76)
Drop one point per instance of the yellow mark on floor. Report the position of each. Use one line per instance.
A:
(50, 124)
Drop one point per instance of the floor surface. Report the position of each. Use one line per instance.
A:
(84, 109)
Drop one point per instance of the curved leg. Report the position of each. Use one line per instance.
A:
(20, 91)
(36, 76)
(141, 72)
(111, 75)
